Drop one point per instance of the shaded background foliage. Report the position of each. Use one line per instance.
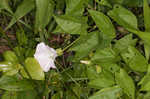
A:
(111, 37)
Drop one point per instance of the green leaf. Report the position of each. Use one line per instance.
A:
(123, 43)
(4, 4)
(123, 17)
(85, 45)
(9, 95)
(147, 95)
(11, 83)
(10, 56)
(106, 55)
(9, 68)
(104, 2)
(133, 3)
(56, 96)
(115, 1)
(135, 60)
(44, 11)
(111, 67)
(24, 8)
(75, 7)
(105, 79)
(30, 94)
(5, 65)
(107, 93)
(104, 24)
(128, 20)
(147, 51)
(126, 83)
(34, 69)
(91, 72)
(21, 37)
(71, 25)
(146, 11)
(145, 86)
(145, 81)
(145, 36)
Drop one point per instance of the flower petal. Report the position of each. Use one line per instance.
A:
(45, 56)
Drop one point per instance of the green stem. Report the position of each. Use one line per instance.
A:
(64, 82)
(68, 74)
(50, 28)
(42, 39)
(70, 44)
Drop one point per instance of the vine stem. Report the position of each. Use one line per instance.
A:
(70, 44)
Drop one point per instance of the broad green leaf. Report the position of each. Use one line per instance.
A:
(9, 68)
(105, 42)
(147, 51)
(10, 56)
(111, 67)
(147, 95)
(9, 95)
(71, 25)
(105, 79)
(104, 2)
(30, 94)
(135, 60)
(24, 8)
(128, 20)
(85, 45)
(123, 17)
(115, 1)
(75, 7)
(145, 86)
(104, 24)
(128, 3)
(4, 4)
(5, 65)
(145, 81)
(34, 69)
(91, 72)
(11, 83)
(103, 56)
(145, 36)
(107, 93)
(100, 83)
(123, 43)
(133, 3)
(44, 11)
(58, 29)
(146, 11)
(126, 83)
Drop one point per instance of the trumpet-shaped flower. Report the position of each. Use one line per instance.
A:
(45, 56)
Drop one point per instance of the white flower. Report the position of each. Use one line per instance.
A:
(45, 56)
